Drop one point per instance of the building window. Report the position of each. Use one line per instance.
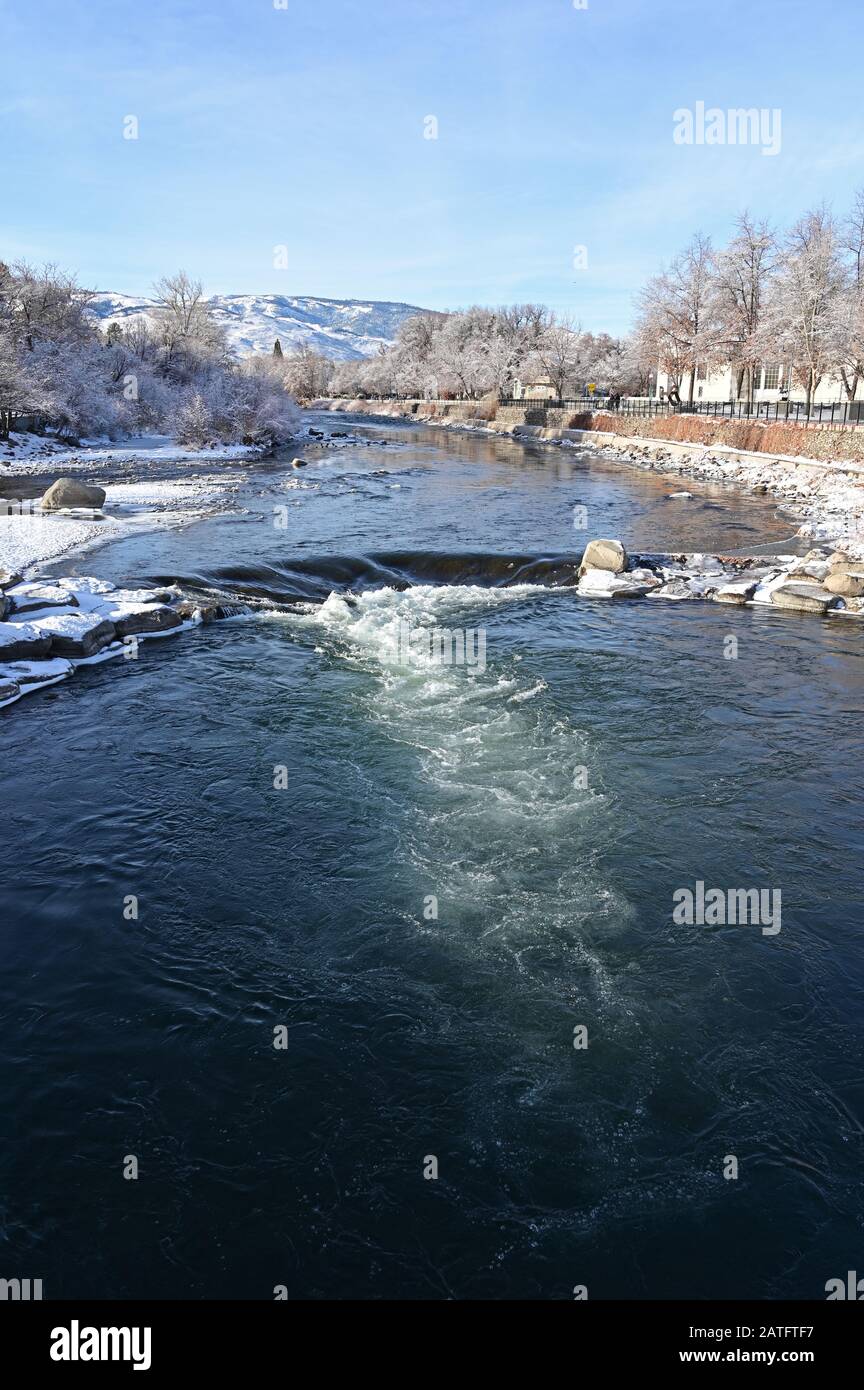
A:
(772, 378)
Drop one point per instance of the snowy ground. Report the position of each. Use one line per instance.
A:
(30, 538)
(31, 453)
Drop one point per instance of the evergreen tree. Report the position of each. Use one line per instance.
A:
(277, 348)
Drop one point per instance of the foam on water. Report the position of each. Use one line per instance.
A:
(502, 829)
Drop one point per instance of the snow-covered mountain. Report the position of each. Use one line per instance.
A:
(341, 328)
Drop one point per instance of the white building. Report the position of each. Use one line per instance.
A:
(773, 382)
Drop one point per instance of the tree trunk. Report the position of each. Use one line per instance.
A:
(739, 382)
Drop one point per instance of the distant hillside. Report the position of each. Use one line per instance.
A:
(341, 328)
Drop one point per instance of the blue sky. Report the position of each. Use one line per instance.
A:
(303, 127)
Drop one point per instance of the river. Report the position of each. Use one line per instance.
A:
(457, 869)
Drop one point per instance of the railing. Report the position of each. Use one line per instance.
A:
(828, 413)
(837, 413)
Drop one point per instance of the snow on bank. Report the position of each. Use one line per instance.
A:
(34, 453)
(30, 537)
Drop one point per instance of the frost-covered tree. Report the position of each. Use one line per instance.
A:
(805, 318)
(677, 314)
(47, 306)
(194, 421)
(56, 361)
(569, 358)
(24, 385)
(82, 401)
(741, 286)
(266, 413)
(852, 247)
(306, 372)
(190, 335)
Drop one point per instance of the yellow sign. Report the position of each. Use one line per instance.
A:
(592, 387)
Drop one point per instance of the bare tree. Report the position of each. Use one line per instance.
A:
(742, 272)
(185, 321)
(852, 244)
(676, 314)
(805, 317)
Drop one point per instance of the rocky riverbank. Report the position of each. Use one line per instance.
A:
(822, 582)
(48, 630)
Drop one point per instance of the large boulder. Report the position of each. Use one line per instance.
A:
(8, 578)
(68, 492)
(77, 634)
(604, 555)
(129, 619)
(849, 583)
(21, 642)
(90, 595)
(804, 598)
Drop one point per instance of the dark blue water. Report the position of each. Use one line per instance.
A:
(552, 803)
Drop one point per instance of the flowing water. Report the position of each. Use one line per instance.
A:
(550, 799)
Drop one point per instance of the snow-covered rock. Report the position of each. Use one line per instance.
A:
(605, 584)
(22, 642)
(77, 634)
(9, 692)
(29, 674)
(804, 598)
(738, 591)
(35, 597)
(132, 619)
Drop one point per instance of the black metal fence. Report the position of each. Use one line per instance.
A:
(826, 413)
(831, 413)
